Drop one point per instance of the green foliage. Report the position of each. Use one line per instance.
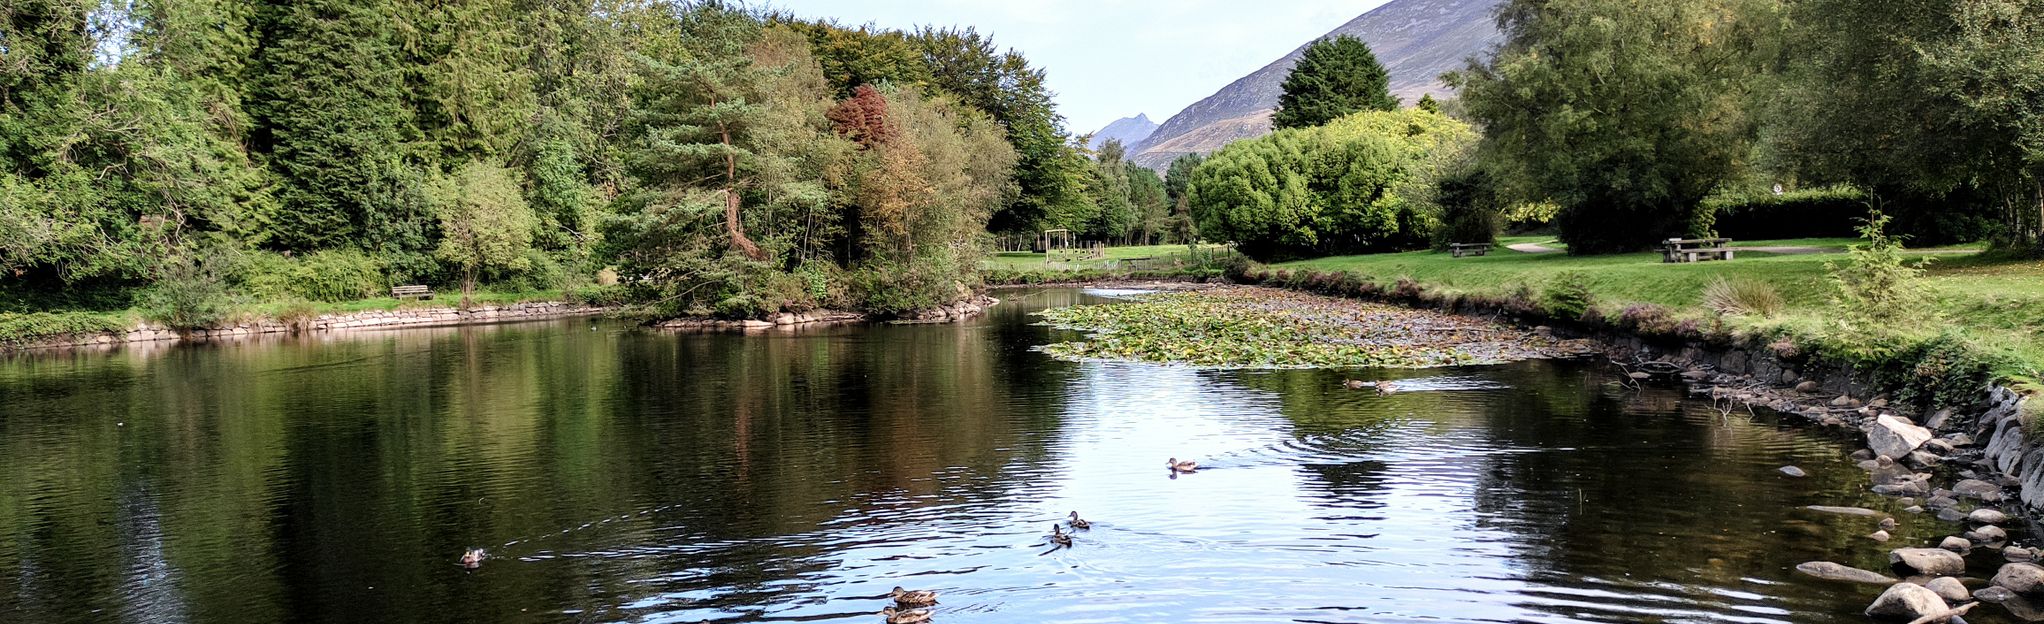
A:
(23, 329)
(332, 276)
(1567, 295)
(1050, 177)
(1334, 78)
(1935, 106)
(1759, 214)
(1743, 297)
(1875, 291)
(1428, 103)
(1111, 190)
(1340, 188)
(189, 293)
(1625, 114)
(485, 223)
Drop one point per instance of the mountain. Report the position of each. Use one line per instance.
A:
(1129, 131)
(1416, 40)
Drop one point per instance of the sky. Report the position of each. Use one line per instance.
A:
(1109, 59)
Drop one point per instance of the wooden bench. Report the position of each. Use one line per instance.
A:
(1682, 250)
(421, 292)
(1469, 249)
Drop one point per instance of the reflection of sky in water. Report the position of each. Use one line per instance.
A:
(623, 475)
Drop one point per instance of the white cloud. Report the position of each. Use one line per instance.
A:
(1109, 59)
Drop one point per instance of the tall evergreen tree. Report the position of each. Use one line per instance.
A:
(1333, 79)
(330, 107)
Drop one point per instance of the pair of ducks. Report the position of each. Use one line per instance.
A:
(1060, 538)
(910, 607)
(1384, 388)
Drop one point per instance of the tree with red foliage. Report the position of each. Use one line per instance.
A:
(862, 117)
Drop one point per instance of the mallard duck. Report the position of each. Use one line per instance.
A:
(1355, 384)
(912, 599)
(911, 616)
(473, 558)
(1181, 466)
(1059, 537)
(1385, 388)
(1077, 523)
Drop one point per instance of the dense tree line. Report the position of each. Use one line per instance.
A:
(722, 160)
(1628, 115)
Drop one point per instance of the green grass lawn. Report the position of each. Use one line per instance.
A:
(1996, 303)
(1029, 261)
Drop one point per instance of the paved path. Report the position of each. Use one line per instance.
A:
(1532, 248)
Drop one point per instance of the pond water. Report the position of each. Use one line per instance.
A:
(616, 474)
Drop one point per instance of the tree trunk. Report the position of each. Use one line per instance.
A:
(732, 224)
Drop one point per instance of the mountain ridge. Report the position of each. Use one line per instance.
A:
(1128, 130)
(1416, 40)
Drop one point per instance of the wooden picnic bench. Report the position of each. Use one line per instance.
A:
(1469, 249)
(421, 292)
(1681, 250)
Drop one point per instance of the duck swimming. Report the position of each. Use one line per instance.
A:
(1059, 537)
(1078, 523)
(473, 558)
(912, 599)
(1181, 466)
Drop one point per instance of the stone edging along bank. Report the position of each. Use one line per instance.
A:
(384, 319)
(948, 313)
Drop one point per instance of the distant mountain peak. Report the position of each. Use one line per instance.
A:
(1129, 130)
(1417, 40)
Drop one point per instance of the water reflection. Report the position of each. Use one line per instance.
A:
(623, 475)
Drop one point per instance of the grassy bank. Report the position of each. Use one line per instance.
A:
(1990, 308)
(1145, 262)
(19, 329)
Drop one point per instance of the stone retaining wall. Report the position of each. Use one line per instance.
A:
(375, 319)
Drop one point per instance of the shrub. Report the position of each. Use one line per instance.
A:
(298, 314)
(1875, 291)
(1809, 213)
(189, 293)
(1567, 296)
(332, 276)
(1743, 298)
(32, 327)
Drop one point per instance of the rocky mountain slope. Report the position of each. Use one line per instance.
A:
(1129, 131)
(1417, 40)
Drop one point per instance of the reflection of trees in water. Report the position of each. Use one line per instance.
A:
(291, 476)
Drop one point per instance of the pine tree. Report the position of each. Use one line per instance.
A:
(1334, 78)
(329, 103)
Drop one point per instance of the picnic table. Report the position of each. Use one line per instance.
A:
(1683, 250)
(1469, 249)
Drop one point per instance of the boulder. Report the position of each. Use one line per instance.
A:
(1949, 589)
(1809, 387)
(1938, 419)
(1927, 561)
(1987, 516)
(1951, 514)
(1880, 536)
(1994, 595)
(1905, 602)
(1940, 502)
(1939, 446)
(1844, 511)
(2022, 578)
(1988, 534)
(2018, 554)
(1915, 509)
(1794, 472)
(1838, 572)
(1977, 489)
(1862, 455)
(1921, 459)
(1888, 524)
(1895, 437)
(1843, 401)
(1956, 544)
